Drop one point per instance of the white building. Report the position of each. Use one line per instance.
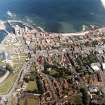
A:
(95, 66)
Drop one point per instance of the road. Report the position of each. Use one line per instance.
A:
(24, 69)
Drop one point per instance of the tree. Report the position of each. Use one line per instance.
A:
(85, 96)
(9, 67)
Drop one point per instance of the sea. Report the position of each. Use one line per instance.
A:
(55, 15)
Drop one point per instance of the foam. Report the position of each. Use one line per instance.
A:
(10, 14)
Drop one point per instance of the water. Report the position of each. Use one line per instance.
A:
(55, 15)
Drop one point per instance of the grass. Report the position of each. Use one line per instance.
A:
(2, 63)
(32, 86)
(7, 84)
(30, 101)
(21, 102)
(53, 72)
(19, 62)
(77, 100)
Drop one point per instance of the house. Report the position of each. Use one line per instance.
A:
(103, 65)
(95, 67)
(93, 89)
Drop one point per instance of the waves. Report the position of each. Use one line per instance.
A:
(10, 14)
(103, 3)
(56, 15)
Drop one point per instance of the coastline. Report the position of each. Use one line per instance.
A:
(40, 30)
(18, 38)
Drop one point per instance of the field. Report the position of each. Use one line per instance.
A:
(8, 83)
(32, 86)
(30, 101)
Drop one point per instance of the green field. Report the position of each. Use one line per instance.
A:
(7, 84)
(30, 101)
(32, 86)
(18, 63)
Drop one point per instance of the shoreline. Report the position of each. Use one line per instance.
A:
(40, 30)
(20, 33)
(81, 33)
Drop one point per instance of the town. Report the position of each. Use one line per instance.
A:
(58, 68)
